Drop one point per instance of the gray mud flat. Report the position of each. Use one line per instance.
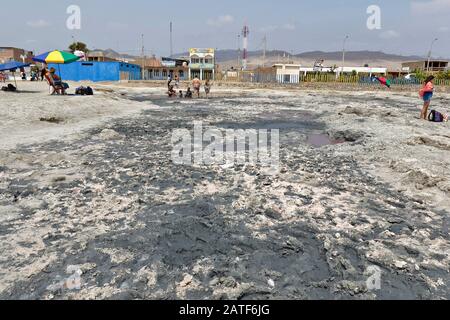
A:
(113, 205)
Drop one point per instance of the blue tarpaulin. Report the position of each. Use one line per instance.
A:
(13, 65)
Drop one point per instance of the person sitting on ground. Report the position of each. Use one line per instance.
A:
(188, 93)
(171, 92)
(427, 94)
(197, 84)
(180, 95)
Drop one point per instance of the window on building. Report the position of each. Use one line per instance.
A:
(181, 74)
(287, 78)
(164, 73)
(209, 59)
(195, 74)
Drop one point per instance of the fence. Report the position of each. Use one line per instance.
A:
(364, 80)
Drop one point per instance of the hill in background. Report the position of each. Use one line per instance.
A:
(229, 58)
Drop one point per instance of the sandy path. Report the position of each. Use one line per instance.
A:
(112, 204)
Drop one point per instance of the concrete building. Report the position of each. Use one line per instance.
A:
(98, 71)
(202, 63)
(99, 56)
(435, 65)
(366, 70)
(287, 73)
(11, 53)
(156, 69)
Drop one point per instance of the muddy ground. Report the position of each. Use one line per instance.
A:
(111, 205)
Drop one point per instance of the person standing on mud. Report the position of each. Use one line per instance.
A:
(197, 84)
(427, 94)
(43, 73)
(207, 88)
(169, 82)
(177, 82)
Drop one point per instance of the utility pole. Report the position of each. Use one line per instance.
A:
(343, 54)
(264, 50)
(239, 52)
(245, 34)
(171, 39)
(430, 53)
(143, 58)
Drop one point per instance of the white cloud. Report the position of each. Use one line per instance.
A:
(285, 27)
(220, 21)
(390, 34)
(38, 23)
(430, 7)
(444, 29)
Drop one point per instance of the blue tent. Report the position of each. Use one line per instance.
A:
(12, 66)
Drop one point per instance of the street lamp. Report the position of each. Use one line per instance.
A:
(429, 53)
(343, 53)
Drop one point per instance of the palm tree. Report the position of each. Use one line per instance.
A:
(78, 46)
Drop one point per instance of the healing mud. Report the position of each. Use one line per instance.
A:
(103, 213)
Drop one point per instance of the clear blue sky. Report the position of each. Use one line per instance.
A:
(408, 27)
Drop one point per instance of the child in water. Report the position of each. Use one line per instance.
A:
(188, 93)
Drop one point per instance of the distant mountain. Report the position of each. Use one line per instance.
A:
(355, 55)
(229, 58)
(110, 53)
(229, 55)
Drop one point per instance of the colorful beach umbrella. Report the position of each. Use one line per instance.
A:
(13, 66)
(56, 57)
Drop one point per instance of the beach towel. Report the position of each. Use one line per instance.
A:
(384, 81)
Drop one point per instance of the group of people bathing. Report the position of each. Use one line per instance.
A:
(196, 84)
